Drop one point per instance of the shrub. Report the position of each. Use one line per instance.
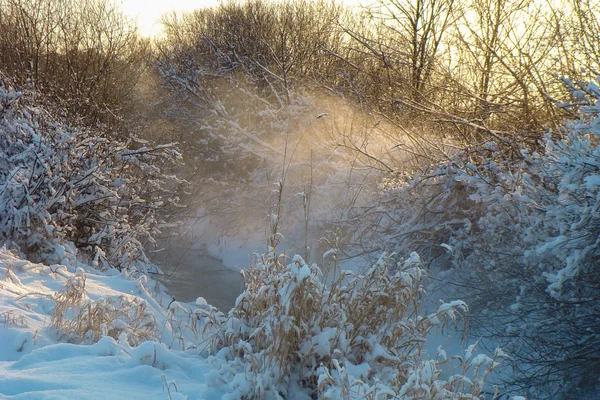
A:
(83, 54)
(346, 336)
(523, 230)
(59, 183)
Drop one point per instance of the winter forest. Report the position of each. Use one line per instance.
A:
(300, 199)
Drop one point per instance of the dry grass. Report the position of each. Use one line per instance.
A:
(293, 324)
(79, 320)
(188, 327)
(11, 318)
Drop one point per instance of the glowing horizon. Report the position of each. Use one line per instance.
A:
(147, 12)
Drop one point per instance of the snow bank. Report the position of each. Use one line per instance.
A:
(35, 365)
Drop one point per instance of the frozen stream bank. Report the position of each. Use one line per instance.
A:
(196, 274)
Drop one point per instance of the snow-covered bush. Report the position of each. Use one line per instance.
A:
(521, 229)
(346, 336)
(60, 183)
(552, 204)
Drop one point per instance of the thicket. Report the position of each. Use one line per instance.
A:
(272, 44)
(479, 171)
(63, 183)
(84, 55)
(473, 68)
(516, 237)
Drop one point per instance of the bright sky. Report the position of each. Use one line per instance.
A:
(148, 11)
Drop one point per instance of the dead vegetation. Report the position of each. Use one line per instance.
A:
(295, 323)
(12, 318)
(78, 319)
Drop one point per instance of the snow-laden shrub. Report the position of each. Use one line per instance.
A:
(349, 336)
(524, 247)
(60, 183)
(552, 208)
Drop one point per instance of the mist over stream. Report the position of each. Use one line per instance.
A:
(295, 175)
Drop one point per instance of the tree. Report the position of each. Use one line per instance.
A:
(85, 54)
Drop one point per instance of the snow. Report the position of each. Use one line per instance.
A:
(168, 357)
(151, 346)
(74, 371)
(34, 364)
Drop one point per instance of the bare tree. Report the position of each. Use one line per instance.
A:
(85, 54)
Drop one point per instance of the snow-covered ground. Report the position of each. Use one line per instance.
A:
(37, 362)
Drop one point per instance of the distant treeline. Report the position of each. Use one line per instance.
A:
(484, 66)
(84, 54)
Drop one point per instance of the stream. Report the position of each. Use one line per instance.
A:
(191, 273)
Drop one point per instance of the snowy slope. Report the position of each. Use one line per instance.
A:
(36, 364)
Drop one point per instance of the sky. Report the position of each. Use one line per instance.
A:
(148, 11)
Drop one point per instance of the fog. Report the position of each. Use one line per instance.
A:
(304, 176)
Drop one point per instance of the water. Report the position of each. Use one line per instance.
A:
(191, 273)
